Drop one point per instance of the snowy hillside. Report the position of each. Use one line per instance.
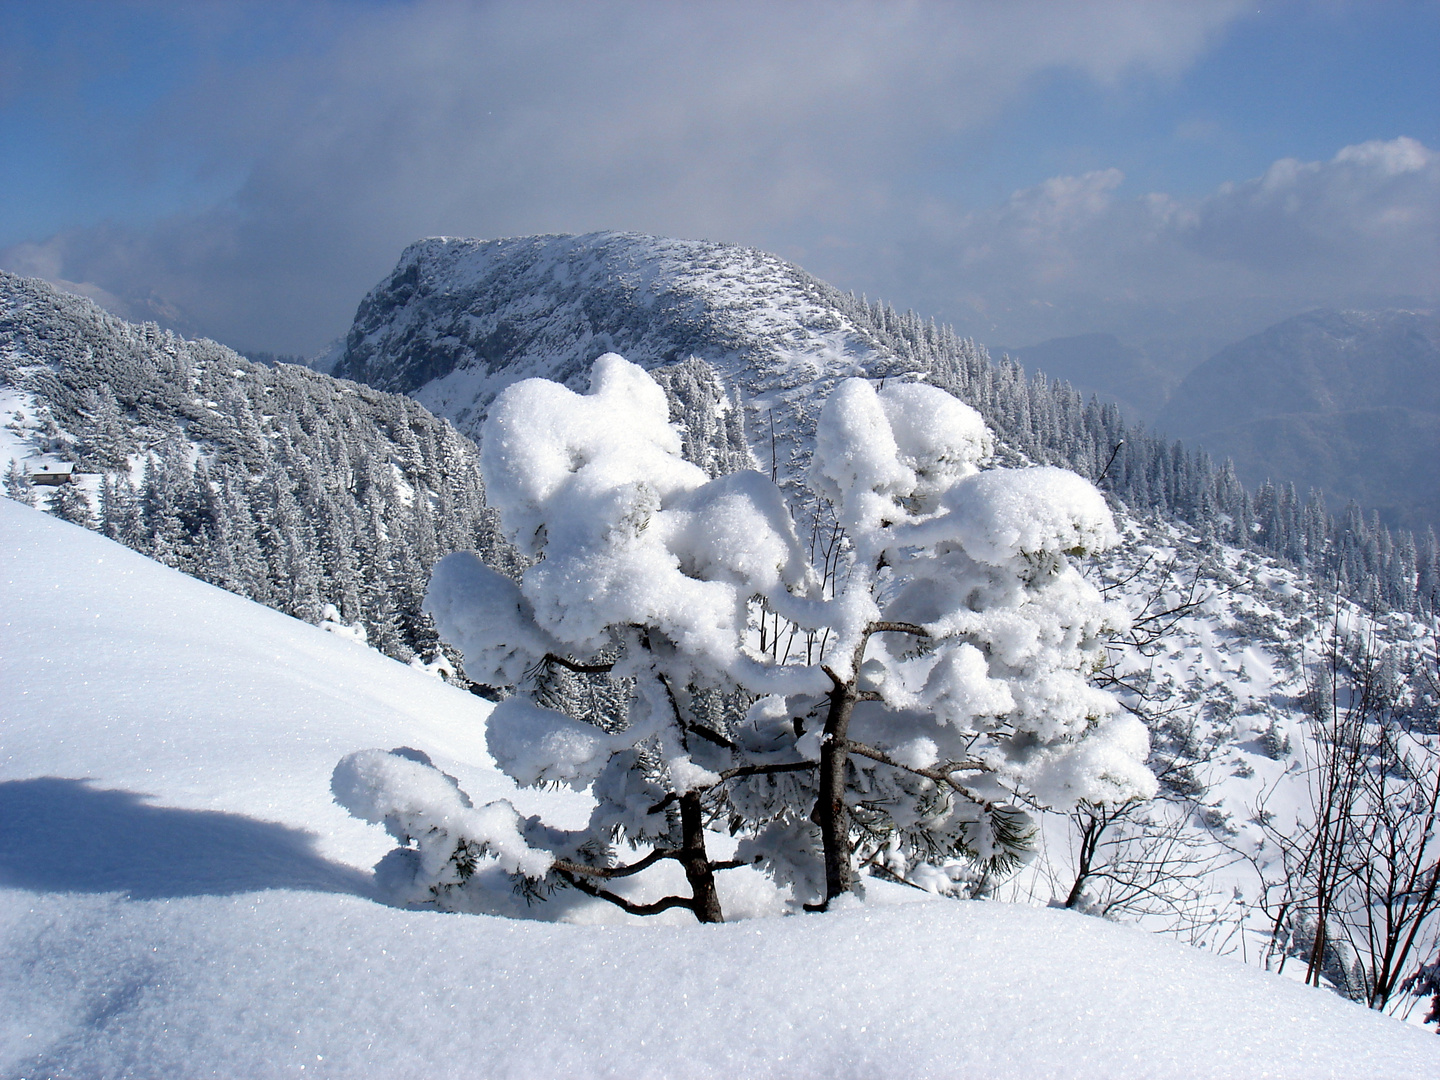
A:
(180, 897)
(1252, 671)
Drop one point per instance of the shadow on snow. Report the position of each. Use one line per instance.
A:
(62, 835)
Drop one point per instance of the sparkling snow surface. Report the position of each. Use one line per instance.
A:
(180, 898)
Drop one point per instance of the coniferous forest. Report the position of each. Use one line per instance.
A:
(282, 485)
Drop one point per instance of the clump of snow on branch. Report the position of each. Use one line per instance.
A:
(537, 745)
(487, 618)
(1005, 514)
(443, 835)
(631, 533)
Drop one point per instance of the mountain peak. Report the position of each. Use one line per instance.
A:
(458, 320)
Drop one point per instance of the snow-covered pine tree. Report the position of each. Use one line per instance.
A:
(70, 503)
(103, 448)
(956, 637)
(17, 487)
(908, 688)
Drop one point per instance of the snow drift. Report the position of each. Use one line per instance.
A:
(180, 897)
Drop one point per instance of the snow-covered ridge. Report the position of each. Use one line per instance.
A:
(459, 320)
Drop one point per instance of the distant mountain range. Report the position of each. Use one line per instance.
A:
(1347, 402)
(747, 346)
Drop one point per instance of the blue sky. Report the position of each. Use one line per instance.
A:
(1022, 170)
(1292, 80)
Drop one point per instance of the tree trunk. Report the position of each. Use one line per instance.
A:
(831, 813)
(695, 861)
(1090, 834)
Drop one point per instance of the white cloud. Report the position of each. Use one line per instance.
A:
(1072, 255)
(1369, 215)
(1402, 155)
(47, 260)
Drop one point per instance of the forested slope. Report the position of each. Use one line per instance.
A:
(289, 487)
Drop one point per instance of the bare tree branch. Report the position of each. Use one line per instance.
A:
(940, 776)
(886, 627)
(663, 904)
(575, 666)
(567, 867)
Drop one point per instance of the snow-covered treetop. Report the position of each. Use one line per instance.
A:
(902, 446)
(628, 533)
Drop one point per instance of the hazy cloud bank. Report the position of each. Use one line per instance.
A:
(1070, 255)
(798, 128)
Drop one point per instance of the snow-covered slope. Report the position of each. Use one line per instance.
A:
(123, 675)
(1227, 690)
(180, 898)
